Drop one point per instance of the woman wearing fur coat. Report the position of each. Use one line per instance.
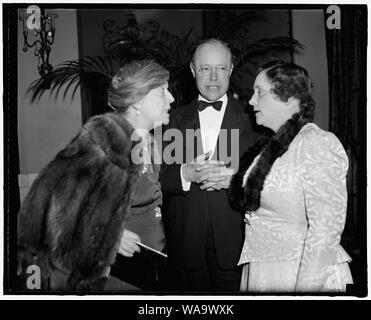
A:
(87, 205)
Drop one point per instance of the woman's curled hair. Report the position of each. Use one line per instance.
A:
(290, 80)
(133, 81)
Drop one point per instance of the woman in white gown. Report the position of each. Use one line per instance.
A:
(292, 189)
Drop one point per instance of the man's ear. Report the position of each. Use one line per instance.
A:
(230, 71)
(191, 65)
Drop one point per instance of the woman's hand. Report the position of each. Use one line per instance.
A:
(128, 244)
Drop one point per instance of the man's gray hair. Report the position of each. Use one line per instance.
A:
(212, 41)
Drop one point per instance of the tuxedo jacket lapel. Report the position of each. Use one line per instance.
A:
(231, 120)
(192, 141)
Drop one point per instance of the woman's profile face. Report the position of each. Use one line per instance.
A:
(155, 105)
(267, 106)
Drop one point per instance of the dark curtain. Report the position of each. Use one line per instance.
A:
(347, 49)
(10, 145)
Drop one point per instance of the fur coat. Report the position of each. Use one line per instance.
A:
(71, 222)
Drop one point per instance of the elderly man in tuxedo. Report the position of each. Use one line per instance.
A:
(204, 233)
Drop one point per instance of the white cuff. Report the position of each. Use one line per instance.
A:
(185, 184)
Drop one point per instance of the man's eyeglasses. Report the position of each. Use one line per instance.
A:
(206, 70)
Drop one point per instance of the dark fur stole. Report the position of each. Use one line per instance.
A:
(71, 222)
(248, 198)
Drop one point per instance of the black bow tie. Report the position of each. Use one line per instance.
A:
(202, 105)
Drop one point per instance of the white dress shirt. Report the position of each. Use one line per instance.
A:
(210, 123)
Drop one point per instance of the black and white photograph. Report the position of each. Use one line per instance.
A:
(185, 149)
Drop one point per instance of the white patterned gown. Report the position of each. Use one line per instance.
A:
(292, 241)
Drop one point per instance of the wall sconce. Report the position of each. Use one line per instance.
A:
(43, 24)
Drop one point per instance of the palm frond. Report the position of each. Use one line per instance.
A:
(246, 49)
(233, 23)
(69, 73)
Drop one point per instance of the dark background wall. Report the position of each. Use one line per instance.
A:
(91, 31)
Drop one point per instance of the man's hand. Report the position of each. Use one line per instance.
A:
(128, 246)
(212, 174)
(217, 185)
(216, 180)
(191, 172)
